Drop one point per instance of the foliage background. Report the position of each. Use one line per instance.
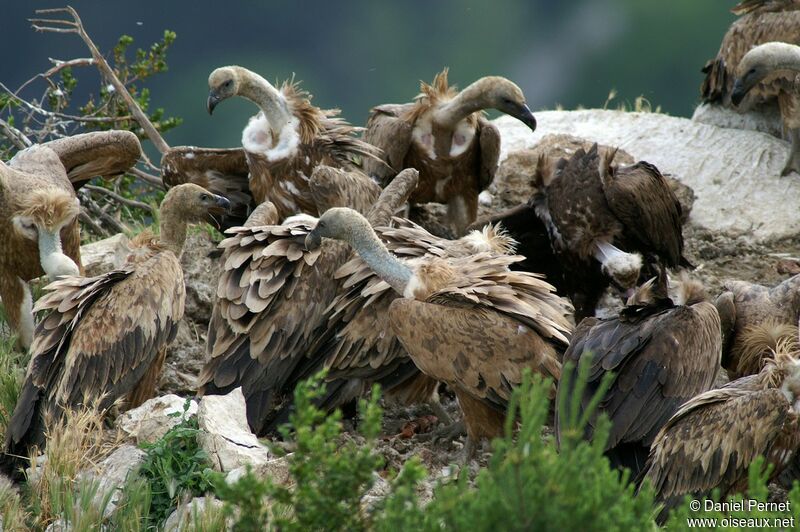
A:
(358, 53)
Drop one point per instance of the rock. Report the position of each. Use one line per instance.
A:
(112, 473)
(225, 435)
(276, 469)
(200, 274)
(734, 173)
(379, 490)
(185, 358)
(766, 120)
(183, 518)
(150, 421)
(59, 525)
(105, 255)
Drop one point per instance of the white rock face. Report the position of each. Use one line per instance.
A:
(111, 474)
(150, 421)
(734, 173)
(105, 255)
(276, 469)
(766, 120)
(225, 435)
(184, 515)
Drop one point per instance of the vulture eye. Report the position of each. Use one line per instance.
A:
(228, 84)
(752, 71)
(204, 197)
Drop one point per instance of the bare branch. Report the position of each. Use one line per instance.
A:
(150, 179)
(13, 134)
(120, 199)
(76, 26)
(94, 208)
(94, 226)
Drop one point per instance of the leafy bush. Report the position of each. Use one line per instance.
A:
(175, 467)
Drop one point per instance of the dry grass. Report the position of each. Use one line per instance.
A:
(75, 443)
(640, 104)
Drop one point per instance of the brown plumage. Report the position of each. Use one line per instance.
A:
(287, 139)
(469, 321)
(39, 231)
(601, 219)
(358, 347)
(105, 337)
(272, 296)
(661, 354)
(713, 438)
(444, 136)
(760, 21)
(220, 171)
(744, 306)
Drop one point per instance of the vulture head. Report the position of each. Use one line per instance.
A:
(622, 268)
(192, 203)
(756, 65)
(223, 83)
(39, 217)
(339, 223)
(505, 96)
(758, 344)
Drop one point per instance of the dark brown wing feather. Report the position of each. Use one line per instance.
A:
(389, 131)
(99, 338)
(660, 357)
(642, 200)
(489, 137)
(100, 153)
(221, 171)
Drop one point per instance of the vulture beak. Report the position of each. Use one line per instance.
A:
(313, 240)
(221, 205)
(527, 118)
(212, 101)
(739, 92)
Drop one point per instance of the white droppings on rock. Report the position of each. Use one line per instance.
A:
(225, 435)
(150, 421)
(734, 173)
(485, 198)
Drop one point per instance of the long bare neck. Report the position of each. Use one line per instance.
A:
(172, 226)
(786, 56)
(385, 265)
(271, 102)
(474, 97)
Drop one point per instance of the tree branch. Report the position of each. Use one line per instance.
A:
(76, 26)
(120, 199)
(13, 134)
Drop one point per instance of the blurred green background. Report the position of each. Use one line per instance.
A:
(356, 54)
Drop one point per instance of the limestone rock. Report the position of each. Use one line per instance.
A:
(185, 358)
(201, 273)
(766, 120)
(105, 255)
(183, 517)
(225, 435)
(112, 473)
(150, 421)
(276, 469)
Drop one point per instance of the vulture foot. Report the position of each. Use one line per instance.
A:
(439, 411)
(446, 433)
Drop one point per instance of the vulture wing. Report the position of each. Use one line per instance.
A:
(659, 361)
(101, 153)
(388, 130)
(711, 441)
(489, 137)
(98, 340)
(220, 171)
(643, 201)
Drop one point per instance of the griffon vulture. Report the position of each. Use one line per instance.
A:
(272, 296)
(601, 219)
(779, 62)
(358, 347)
(469, 321)
(712, 439)
(105, 337)
(39, 232)
(759, 21)
(287, 139)
(444, 135)
(751, 314)
(661, 354)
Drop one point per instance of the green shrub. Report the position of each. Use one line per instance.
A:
(175, 467)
